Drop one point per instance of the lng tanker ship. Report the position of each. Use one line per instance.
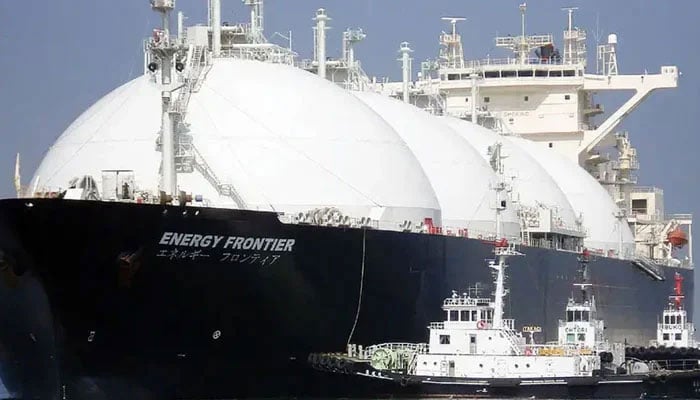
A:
(202, 229)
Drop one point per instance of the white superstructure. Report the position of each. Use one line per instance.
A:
(236, 121)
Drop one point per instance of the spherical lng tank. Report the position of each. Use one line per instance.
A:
(286, 140)
(532, 185)
(461, 178)
(587, 196)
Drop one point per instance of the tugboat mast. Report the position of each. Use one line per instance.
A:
(583, 259)
(502, 251)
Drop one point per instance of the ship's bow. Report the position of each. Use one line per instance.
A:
(28, 358)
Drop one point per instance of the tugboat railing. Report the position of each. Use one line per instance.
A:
(408, 350)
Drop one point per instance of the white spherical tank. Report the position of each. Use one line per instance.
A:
(461, 178)
(533, 187)
(285, 139)
(605, 232)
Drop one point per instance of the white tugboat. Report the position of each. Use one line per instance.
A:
(675, 346)
(477, 352)
(582, 327)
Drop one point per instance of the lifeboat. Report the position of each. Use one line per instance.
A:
(677, 238)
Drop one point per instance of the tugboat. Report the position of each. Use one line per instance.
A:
(476, 352)
(582, 328)
(675, 346)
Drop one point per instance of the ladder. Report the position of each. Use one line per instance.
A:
(650, 267)
(223, 189)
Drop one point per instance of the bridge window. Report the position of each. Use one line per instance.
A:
(444, 339)
(454, 315)
(666, 336)
(666, 320)
(584, 316)
(464, 315)
(473, 315)
(678, 336)
(569, 316)
(489, 315)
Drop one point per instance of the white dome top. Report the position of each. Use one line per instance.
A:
(532, 184)
(587, 196)
(284, 138)
(460, 177)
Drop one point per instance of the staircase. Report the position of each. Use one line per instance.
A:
(514, 345)
(650, 267)
(198, 65)
(223, 189)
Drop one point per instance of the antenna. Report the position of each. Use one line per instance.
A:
(453, 21)
(452, 50)
(568, 37)
(598, 32)
(523, 8)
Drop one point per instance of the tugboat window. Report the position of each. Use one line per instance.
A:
(473, 315)
(666, 336)
(569, 316)
(464, 315)
(454, 315)
(581, 337)
(444, 339)
(678, 336)
(666, 320)
(569, 338)
(585, 316)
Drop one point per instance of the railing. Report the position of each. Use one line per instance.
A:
(437, 325)
(562, 350)
(263, 52)
(514, 62)
(683, 364)
(465, 301)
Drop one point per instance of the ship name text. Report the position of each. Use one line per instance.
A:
(226, 242)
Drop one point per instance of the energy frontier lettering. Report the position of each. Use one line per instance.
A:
(227, 242)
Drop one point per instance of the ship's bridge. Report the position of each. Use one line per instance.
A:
(491, 68)
(464, 311)
(581, 328)
(674, 330)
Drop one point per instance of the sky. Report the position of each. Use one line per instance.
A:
(59, 57)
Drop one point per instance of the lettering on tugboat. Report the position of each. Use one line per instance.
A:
(261, 251)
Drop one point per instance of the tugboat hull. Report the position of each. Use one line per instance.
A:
(361, 380)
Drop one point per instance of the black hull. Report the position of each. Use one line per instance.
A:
(92, 305)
